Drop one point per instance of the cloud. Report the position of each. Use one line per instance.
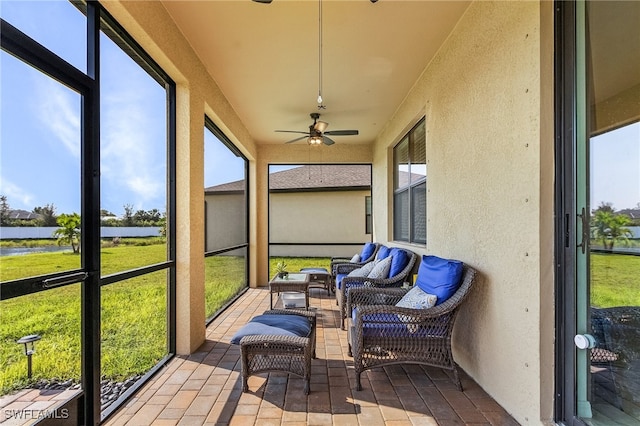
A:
(133, 147)
(17, 197)
(59, 111)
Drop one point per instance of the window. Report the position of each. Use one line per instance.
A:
(67, 142)
(410, 187)
(226, 221)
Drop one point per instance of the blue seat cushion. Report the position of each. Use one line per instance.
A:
(399, 260)
(316, 270)
(439, 276)
(279, 325)
(391, 325)
(367, 251)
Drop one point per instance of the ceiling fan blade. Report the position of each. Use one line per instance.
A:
(342, 132)
(297, 139)
(327, 141)
(292, 131)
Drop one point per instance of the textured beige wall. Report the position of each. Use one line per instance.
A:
(487, 98)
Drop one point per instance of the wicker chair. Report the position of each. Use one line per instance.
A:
(349, 283)
(350, 266)
(383, 334)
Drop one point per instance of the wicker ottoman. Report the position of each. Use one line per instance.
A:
(278, 340)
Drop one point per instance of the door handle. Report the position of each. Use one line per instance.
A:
(64, 280)
(584, 341)
(585, 234)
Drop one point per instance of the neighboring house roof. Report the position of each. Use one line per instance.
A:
(23, 215)
(632, 213)
(316, 177)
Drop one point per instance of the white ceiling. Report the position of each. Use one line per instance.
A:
(264, 58)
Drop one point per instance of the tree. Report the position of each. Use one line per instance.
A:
(127, 218)
(69, 231)
(610, 227)
(147, 218)
(4, 211)
(48, 213)
(107, 213)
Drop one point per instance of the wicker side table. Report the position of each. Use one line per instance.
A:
(264, 353)
(294, 282)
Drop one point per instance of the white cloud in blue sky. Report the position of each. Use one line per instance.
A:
(56, 112)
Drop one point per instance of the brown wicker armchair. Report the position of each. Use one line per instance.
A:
(335, 261)
(382, 334)
(349, 283)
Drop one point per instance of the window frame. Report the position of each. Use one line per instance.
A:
(403, 215)
(368, 215)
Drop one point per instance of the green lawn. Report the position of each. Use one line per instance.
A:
(615, 280)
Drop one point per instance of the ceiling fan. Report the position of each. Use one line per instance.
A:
(316, 134)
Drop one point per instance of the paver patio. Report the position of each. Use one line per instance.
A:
(205, 387)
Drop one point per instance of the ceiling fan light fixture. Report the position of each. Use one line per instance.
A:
(320, 126)
(315, 140)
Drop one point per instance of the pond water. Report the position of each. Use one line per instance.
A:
(19, 251)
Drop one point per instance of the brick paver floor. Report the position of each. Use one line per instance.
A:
(205, 387)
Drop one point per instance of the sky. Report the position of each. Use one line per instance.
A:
(615, 168)
(40, 123)
(40, 129)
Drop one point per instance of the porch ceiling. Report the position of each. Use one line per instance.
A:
(264, 58)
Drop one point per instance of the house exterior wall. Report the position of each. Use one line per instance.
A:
(225, 224)
(317, 217)
(487, 97)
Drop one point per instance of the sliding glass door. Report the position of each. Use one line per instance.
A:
(600, 281)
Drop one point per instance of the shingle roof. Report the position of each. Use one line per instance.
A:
(311, 177)
(23, 215)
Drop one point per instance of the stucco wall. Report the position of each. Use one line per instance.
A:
(225, 224)
(318, 217)
(486, 98)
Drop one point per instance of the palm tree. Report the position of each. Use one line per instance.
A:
(610, 227)
(69, 231)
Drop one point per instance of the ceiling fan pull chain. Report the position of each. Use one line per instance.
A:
(320, 104)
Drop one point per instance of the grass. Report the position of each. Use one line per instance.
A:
(615, 280)
(294, 264)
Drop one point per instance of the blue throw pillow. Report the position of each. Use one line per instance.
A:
(438, 276)
(367, 251)
(383, 253)
(399, 260)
